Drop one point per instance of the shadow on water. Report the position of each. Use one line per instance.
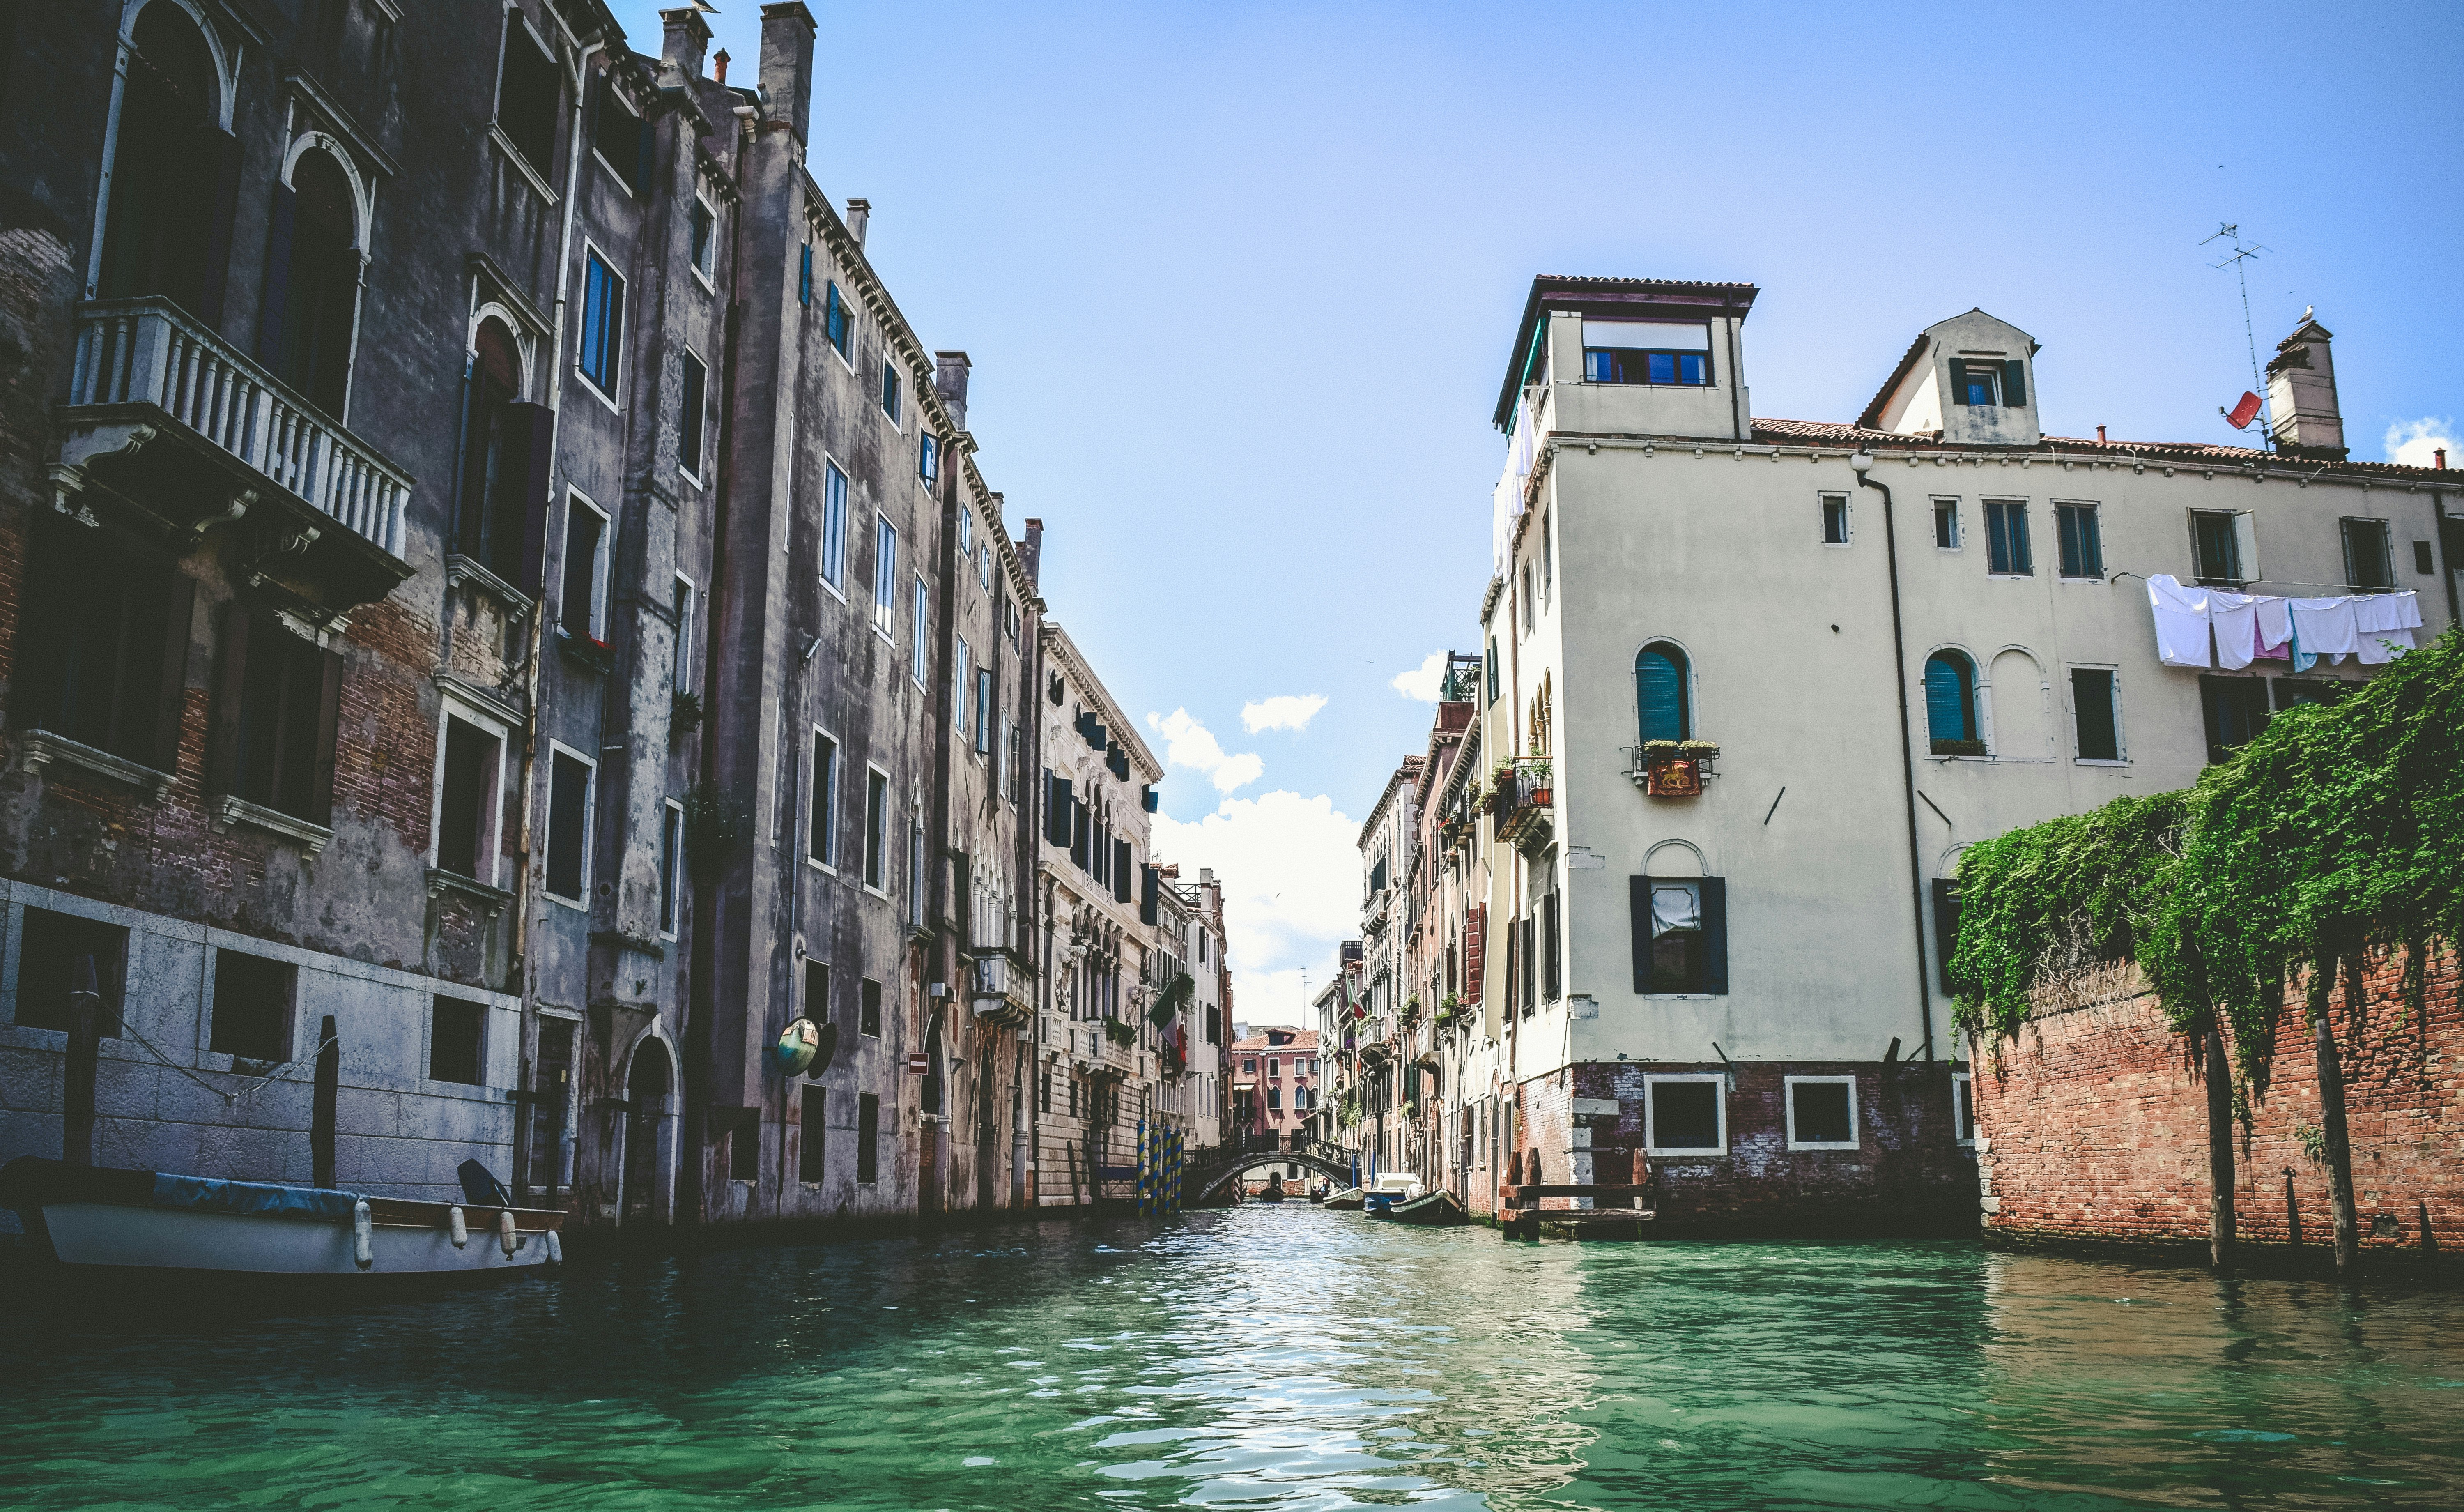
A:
(1260, 1357)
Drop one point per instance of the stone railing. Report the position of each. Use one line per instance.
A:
(151, 353)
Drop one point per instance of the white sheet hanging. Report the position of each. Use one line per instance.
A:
(2379, 647)
(2181, 615)
(2328, 627)
(2235, 620)
(2378, 611)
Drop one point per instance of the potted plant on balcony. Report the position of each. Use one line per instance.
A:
(1119, 1033)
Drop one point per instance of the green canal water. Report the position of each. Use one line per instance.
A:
(1262, 1358)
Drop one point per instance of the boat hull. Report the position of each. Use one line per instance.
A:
(104, 1235)
(1436, 1210)
(1347, 1200)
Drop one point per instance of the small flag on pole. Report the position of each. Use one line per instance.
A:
(2241, 415)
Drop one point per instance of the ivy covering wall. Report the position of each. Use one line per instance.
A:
(2340, 826)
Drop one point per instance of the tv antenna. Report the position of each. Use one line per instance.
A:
(2238, 260)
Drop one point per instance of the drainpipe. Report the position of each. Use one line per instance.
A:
(1863, 463)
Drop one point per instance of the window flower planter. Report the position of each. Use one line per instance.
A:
(1959, 747)
(1119, 1032)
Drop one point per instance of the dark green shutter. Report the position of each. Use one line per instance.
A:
(329, 730)
(1057, 813)
(1958, 381)
(1715, 935)
(2015, 384)
(1659, 693)
(1946, 700)
(530, 448)
(1639, 905)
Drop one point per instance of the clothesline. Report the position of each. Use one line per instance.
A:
(2212, 628)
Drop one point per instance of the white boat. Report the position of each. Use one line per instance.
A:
(1381, 1195)
(101, 1219)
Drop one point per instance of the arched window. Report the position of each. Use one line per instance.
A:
(497, 434)
(168, 229)
(1950, 704)
(1659, 693)
(312, 281)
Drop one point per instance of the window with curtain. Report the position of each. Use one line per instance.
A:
(1950, 704)
(1660, 693)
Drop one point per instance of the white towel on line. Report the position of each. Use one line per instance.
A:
(2235, 618)
(2328, 627)
(2377, 612)
(2181, 616)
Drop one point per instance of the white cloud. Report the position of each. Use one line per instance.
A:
(1290, 869)
(1194, 746)
(2412, 443)
(1287, 711)
(1421, 681)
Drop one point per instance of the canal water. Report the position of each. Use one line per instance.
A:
(1262, 1358)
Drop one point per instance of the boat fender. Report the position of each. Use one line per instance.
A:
(456, 1228)
(505, 1231)
(364, 1246)
(555, 1250)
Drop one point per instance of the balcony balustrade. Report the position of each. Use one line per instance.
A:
(1523, 800)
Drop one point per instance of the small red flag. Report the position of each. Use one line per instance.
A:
(2242, 413)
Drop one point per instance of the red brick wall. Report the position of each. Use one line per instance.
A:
(2093, 1129)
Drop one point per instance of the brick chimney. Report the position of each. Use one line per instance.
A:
(2304, 415)
(1031, 553)
(788, 63)
(858, 213)
(686, 39)
(950, 382)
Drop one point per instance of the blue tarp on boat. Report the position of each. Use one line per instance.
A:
(263, 1197)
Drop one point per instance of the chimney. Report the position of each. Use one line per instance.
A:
(788, 63)
(2304, 416)
(1032, 554)
(2439, 458)
(859, 212)
(686, 39)
(719, 73)
(950, 382)
(2099, 436)
(1206, 877)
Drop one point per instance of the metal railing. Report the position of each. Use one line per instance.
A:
(152, 352)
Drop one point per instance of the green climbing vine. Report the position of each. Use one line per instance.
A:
(2338, 825)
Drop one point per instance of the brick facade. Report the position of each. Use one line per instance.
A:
(2093, 1129)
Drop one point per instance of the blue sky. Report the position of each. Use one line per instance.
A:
(1239, 280)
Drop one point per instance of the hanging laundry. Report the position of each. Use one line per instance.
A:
(2326, 626)
(2235, 618)
(2379, 647)
(2275, 628)
(2377, 612)
(2181, 615)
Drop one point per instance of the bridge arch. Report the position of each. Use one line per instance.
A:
(1210, 1182)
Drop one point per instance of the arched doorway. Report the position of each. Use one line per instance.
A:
(166, 230)
(648, 1134)
(311, 289)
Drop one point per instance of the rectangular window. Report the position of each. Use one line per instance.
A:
(985, 712)
(1821, 1112)
(569, 795)
(817, 991)
(1646, 352)
(835, 526)
(278, 702)
(2005, 538)
(2368, 566)
(2093, 707)
(888, 385)
(1976, 383)
(1945, 524)
(552, 1083)
(916, 890)
(2082, 546)
(620, 137)
(103, 644)
(672, 867)
(884, 574)
(876, 829)
(1274, 1097)
(603, 324)
(48, 947)
(252, 1011)
(684, 667)
(1685, 1114)
(1835, 520)
(822, 843)
(704, 226)
(582, 604)
(958, 691)
(2235, 709)
(1680, 934)
(804, 273)
(466, 804)
(691, 416)
(2423, 562)
(868, 1138)
(2216, 538)
(1963, 1106)
(920, 653)
(868, 1008)
(455, 1031)
(527, 96)
(928, 467)
(812, 1145)
(835, 323)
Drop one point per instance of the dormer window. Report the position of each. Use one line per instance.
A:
(1988, 384)
(1647, 352)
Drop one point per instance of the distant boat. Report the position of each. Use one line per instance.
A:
(93, 1219)
(1347, 1200)
(1436, 1210)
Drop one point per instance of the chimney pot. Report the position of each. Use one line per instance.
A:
(858, 213)
(2304, 417)
(2439, 458)
(720, 59)
(685, 40)
(786, 63)
(2099, 436)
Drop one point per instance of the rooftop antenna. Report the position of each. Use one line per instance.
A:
(2238, 260)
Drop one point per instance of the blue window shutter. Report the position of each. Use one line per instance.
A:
(1946, 700)
(805, 277)
(1660, 692)
(1958, 381)
(1715, 935)
(2015, 383)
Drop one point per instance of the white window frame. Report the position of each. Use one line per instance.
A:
(686, 595)
(1847, 518)
(834, 514)
(959, 691)
(919, 661)
(672, 867)
(682, 471)
(837, 763)
(642, 118)
(492, 812)
(581, 296)
(885, 577)
(702, 276)
(889, 370)
(589, 822)
(1958, 535)
(2070, 706)
(1963, 1099)
(985, 720)
(1788, 1105)
(888, 798)
(2028, 523)
(599, 562)
(1651, 1132)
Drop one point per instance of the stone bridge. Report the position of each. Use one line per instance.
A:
(1209, 1172)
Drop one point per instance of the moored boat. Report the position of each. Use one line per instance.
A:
(1381, 1195)
(102, 1220)
(1438, 1209)
(1347, 1200)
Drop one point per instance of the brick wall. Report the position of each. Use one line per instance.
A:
(2093, 1128)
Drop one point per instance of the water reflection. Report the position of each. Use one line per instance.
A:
(1263, 1358)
